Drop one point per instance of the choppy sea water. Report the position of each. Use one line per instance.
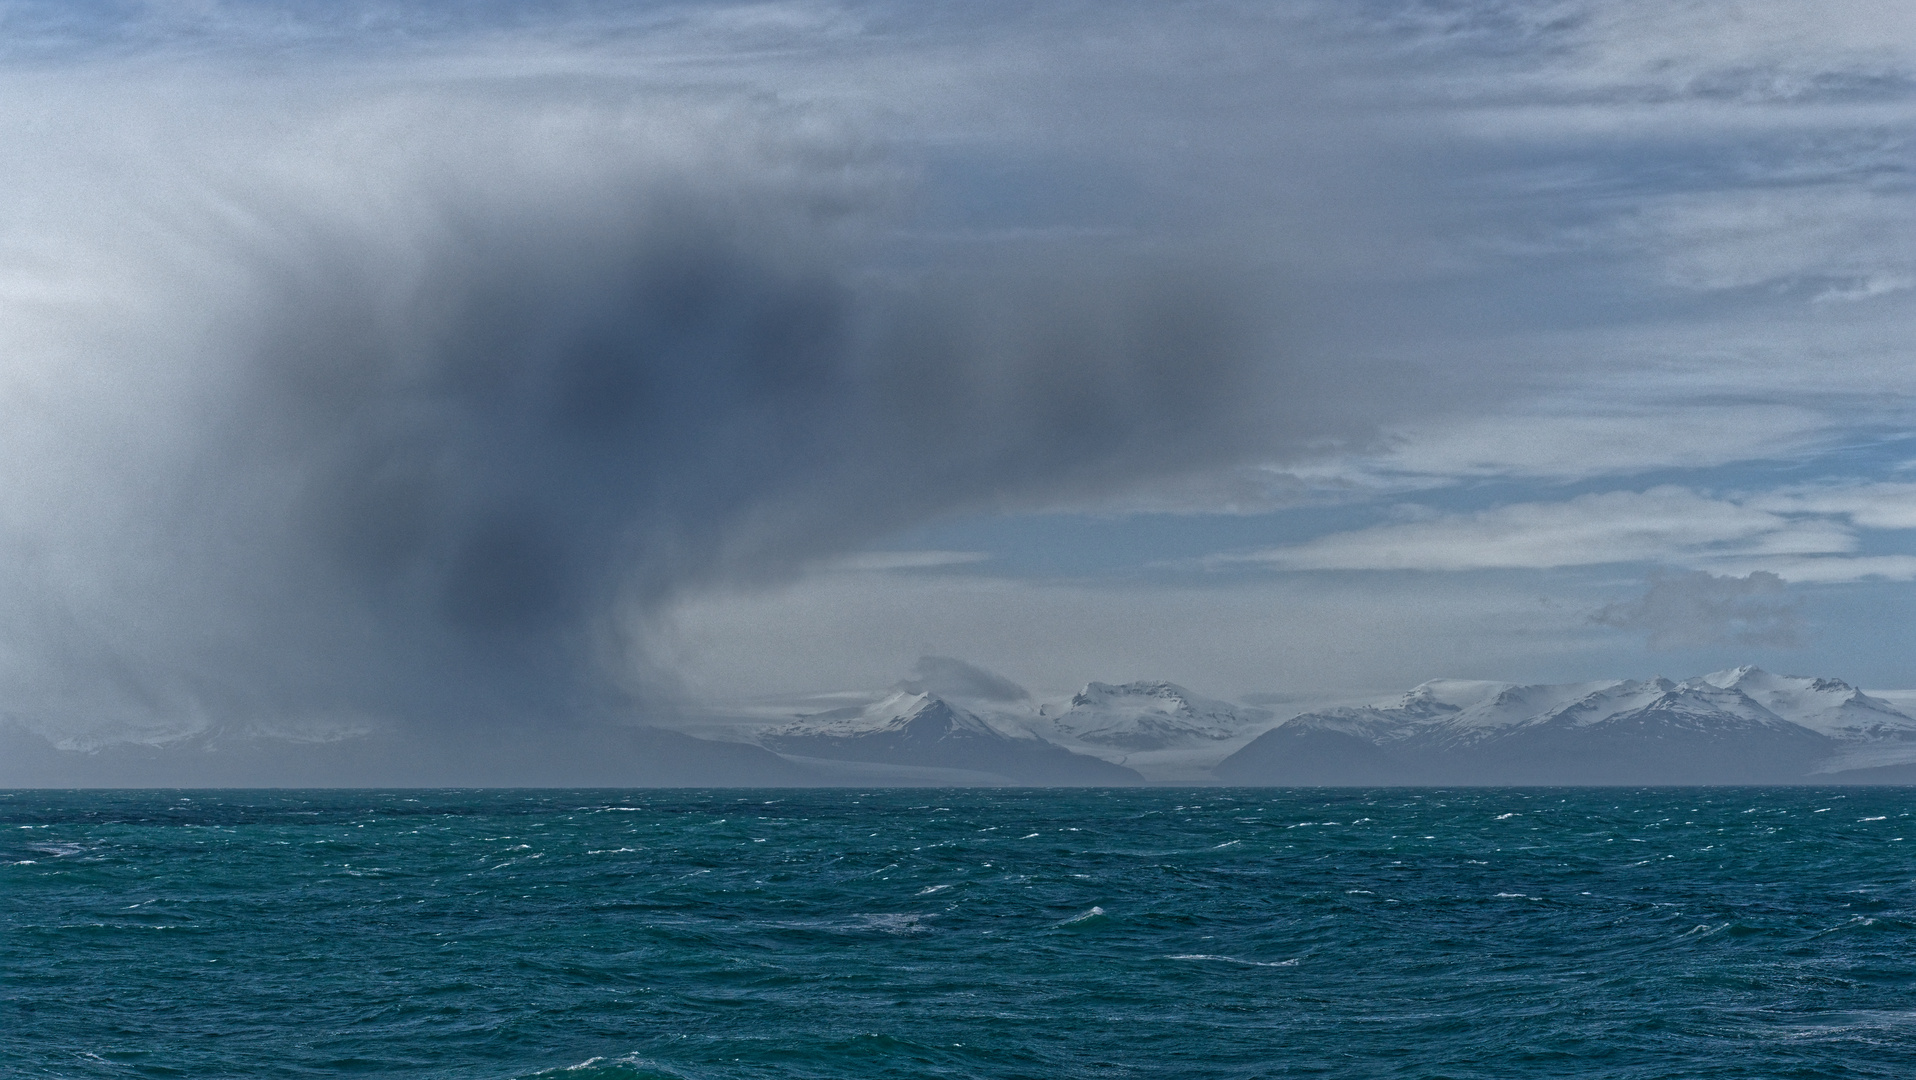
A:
(977, 933)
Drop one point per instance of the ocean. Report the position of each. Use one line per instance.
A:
(846, 934)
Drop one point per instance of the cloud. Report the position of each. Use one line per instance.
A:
(911, 560)
(1836, 240)
(1751, 52)
(1802, 534)
(1663, 523)
(1827, 570)
(1555, 440)
(1700, 608)
(1590, 439)
(418, 398)
(1869, 506)
(948, 677)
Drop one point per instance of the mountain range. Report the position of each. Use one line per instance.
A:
(1742, 726)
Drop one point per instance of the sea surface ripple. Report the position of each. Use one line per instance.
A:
(699, 935)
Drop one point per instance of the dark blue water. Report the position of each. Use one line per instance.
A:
(982, 933)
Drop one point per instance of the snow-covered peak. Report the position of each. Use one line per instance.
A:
(1748, 674)
(1701, 699)
(899, 711)
(1459, 713)
(1147, 715)
(1791, 691)
(1514, 705)
(1146, 696)
(1695, 698)
(1449, 695)
(1828, 706)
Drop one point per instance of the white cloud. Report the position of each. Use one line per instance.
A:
(1826, 570)
(1842, 241)
(910, 560)
(1802, 535)
(1578, 440)
(1656, 50)
(1869, 506)
(1752, 49)
(1701, 608)
(1553, 440)
(1661, 524)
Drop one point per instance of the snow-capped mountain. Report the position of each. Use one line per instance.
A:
(1739, 726)
(922, 730)
(1146, 716)
(1829, 706)
(1870, 733)
(902, 713)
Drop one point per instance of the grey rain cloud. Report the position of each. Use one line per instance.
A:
(418, 404)
(947, 676)
(1700, 608)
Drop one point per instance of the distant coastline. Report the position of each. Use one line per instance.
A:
(1733, 727)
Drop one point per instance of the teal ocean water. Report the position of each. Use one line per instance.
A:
(979, 933)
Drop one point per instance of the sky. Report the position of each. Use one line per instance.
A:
(426, 364)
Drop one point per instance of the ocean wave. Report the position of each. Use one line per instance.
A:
(1292, 962)
(1082, 918)
(630, 1067)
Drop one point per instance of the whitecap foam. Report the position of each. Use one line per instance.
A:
(893, 923)
(628, 1067)
(1292, 962)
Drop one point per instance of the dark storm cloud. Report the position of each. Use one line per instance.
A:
(594, 422)
(948, 676)
(422, 405)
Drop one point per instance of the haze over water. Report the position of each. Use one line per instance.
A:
(1728, 932)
